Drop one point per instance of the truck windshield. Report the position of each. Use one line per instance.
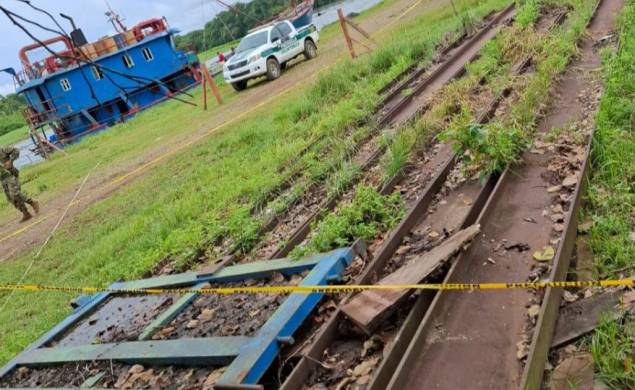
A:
(252, 41)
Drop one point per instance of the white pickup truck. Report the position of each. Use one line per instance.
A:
(267, 50)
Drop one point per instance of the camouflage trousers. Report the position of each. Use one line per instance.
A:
(15, 196)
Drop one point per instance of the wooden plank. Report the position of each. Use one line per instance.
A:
(581, 317)
(211, 350)
(368, 308)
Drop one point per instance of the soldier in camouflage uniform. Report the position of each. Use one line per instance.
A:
(11, 183)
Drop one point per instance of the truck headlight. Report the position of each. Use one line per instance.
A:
(254, 58)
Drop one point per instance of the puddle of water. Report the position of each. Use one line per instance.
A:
(27, 157)
(328, 14)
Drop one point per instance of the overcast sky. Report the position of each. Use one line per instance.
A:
(185, 15)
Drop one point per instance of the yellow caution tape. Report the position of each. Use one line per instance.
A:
(318, 289)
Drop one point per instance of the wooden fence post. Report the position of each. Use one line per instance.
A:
(347, 37)
(204, 85)
(210, 80)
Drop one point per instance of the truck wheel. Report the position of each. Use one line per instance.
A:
(240, 85)
(310, 50)
(273, 69)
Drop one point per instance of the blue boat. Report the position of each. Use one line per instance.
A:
(299, 15)
(88, 86)
(302, 14)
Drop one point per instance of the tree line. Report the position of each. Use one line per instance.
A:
(229, 26)
(11, 113)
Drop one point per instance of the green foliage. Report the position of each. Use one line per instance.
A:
(368, 214)
(487, 148)
(230, 26)
(492, 147)
(611, 190)
(11, 113)
(611, 346)
(201, 193)
(527, 13)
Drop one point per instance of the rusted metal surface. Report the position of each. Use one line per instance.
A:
(478, 333)
(602, 23)
(450, 68)
(368, 308)
(445, 163)
(581, 317)
(400, 108)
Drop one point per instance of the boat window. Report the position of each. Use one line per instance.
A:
(147, 54)
(66, 85)
(127, 61)
(252, 41)
(97, 74)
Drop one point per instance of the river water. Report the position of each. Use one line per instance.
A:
(328, 14)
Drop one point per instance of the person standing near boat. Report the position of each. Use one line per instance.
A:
(9, 176)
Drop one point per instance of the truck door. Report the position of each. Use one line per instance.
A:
(289, 44)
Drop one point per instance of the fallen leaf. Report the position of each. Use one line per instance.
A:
(192, 324)
(521, 349)
(585, 227)
(569, 297)
(533, 311)
(554, 189)
(212, 378)
(277, 277)
(371, 345)
(570, 181)
(557, 218)
(546, 254)
(363, 380)
(558, 209)
(628, 297)
(206, 314)
(365, 367)
(573, 372)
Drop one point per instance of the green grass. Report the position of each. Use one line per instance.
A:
(178, 208)
(612, 200)
(164, 124)
(611, 346)
(492, 147)
(14, 136)
(368, 214)
(611, 192)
